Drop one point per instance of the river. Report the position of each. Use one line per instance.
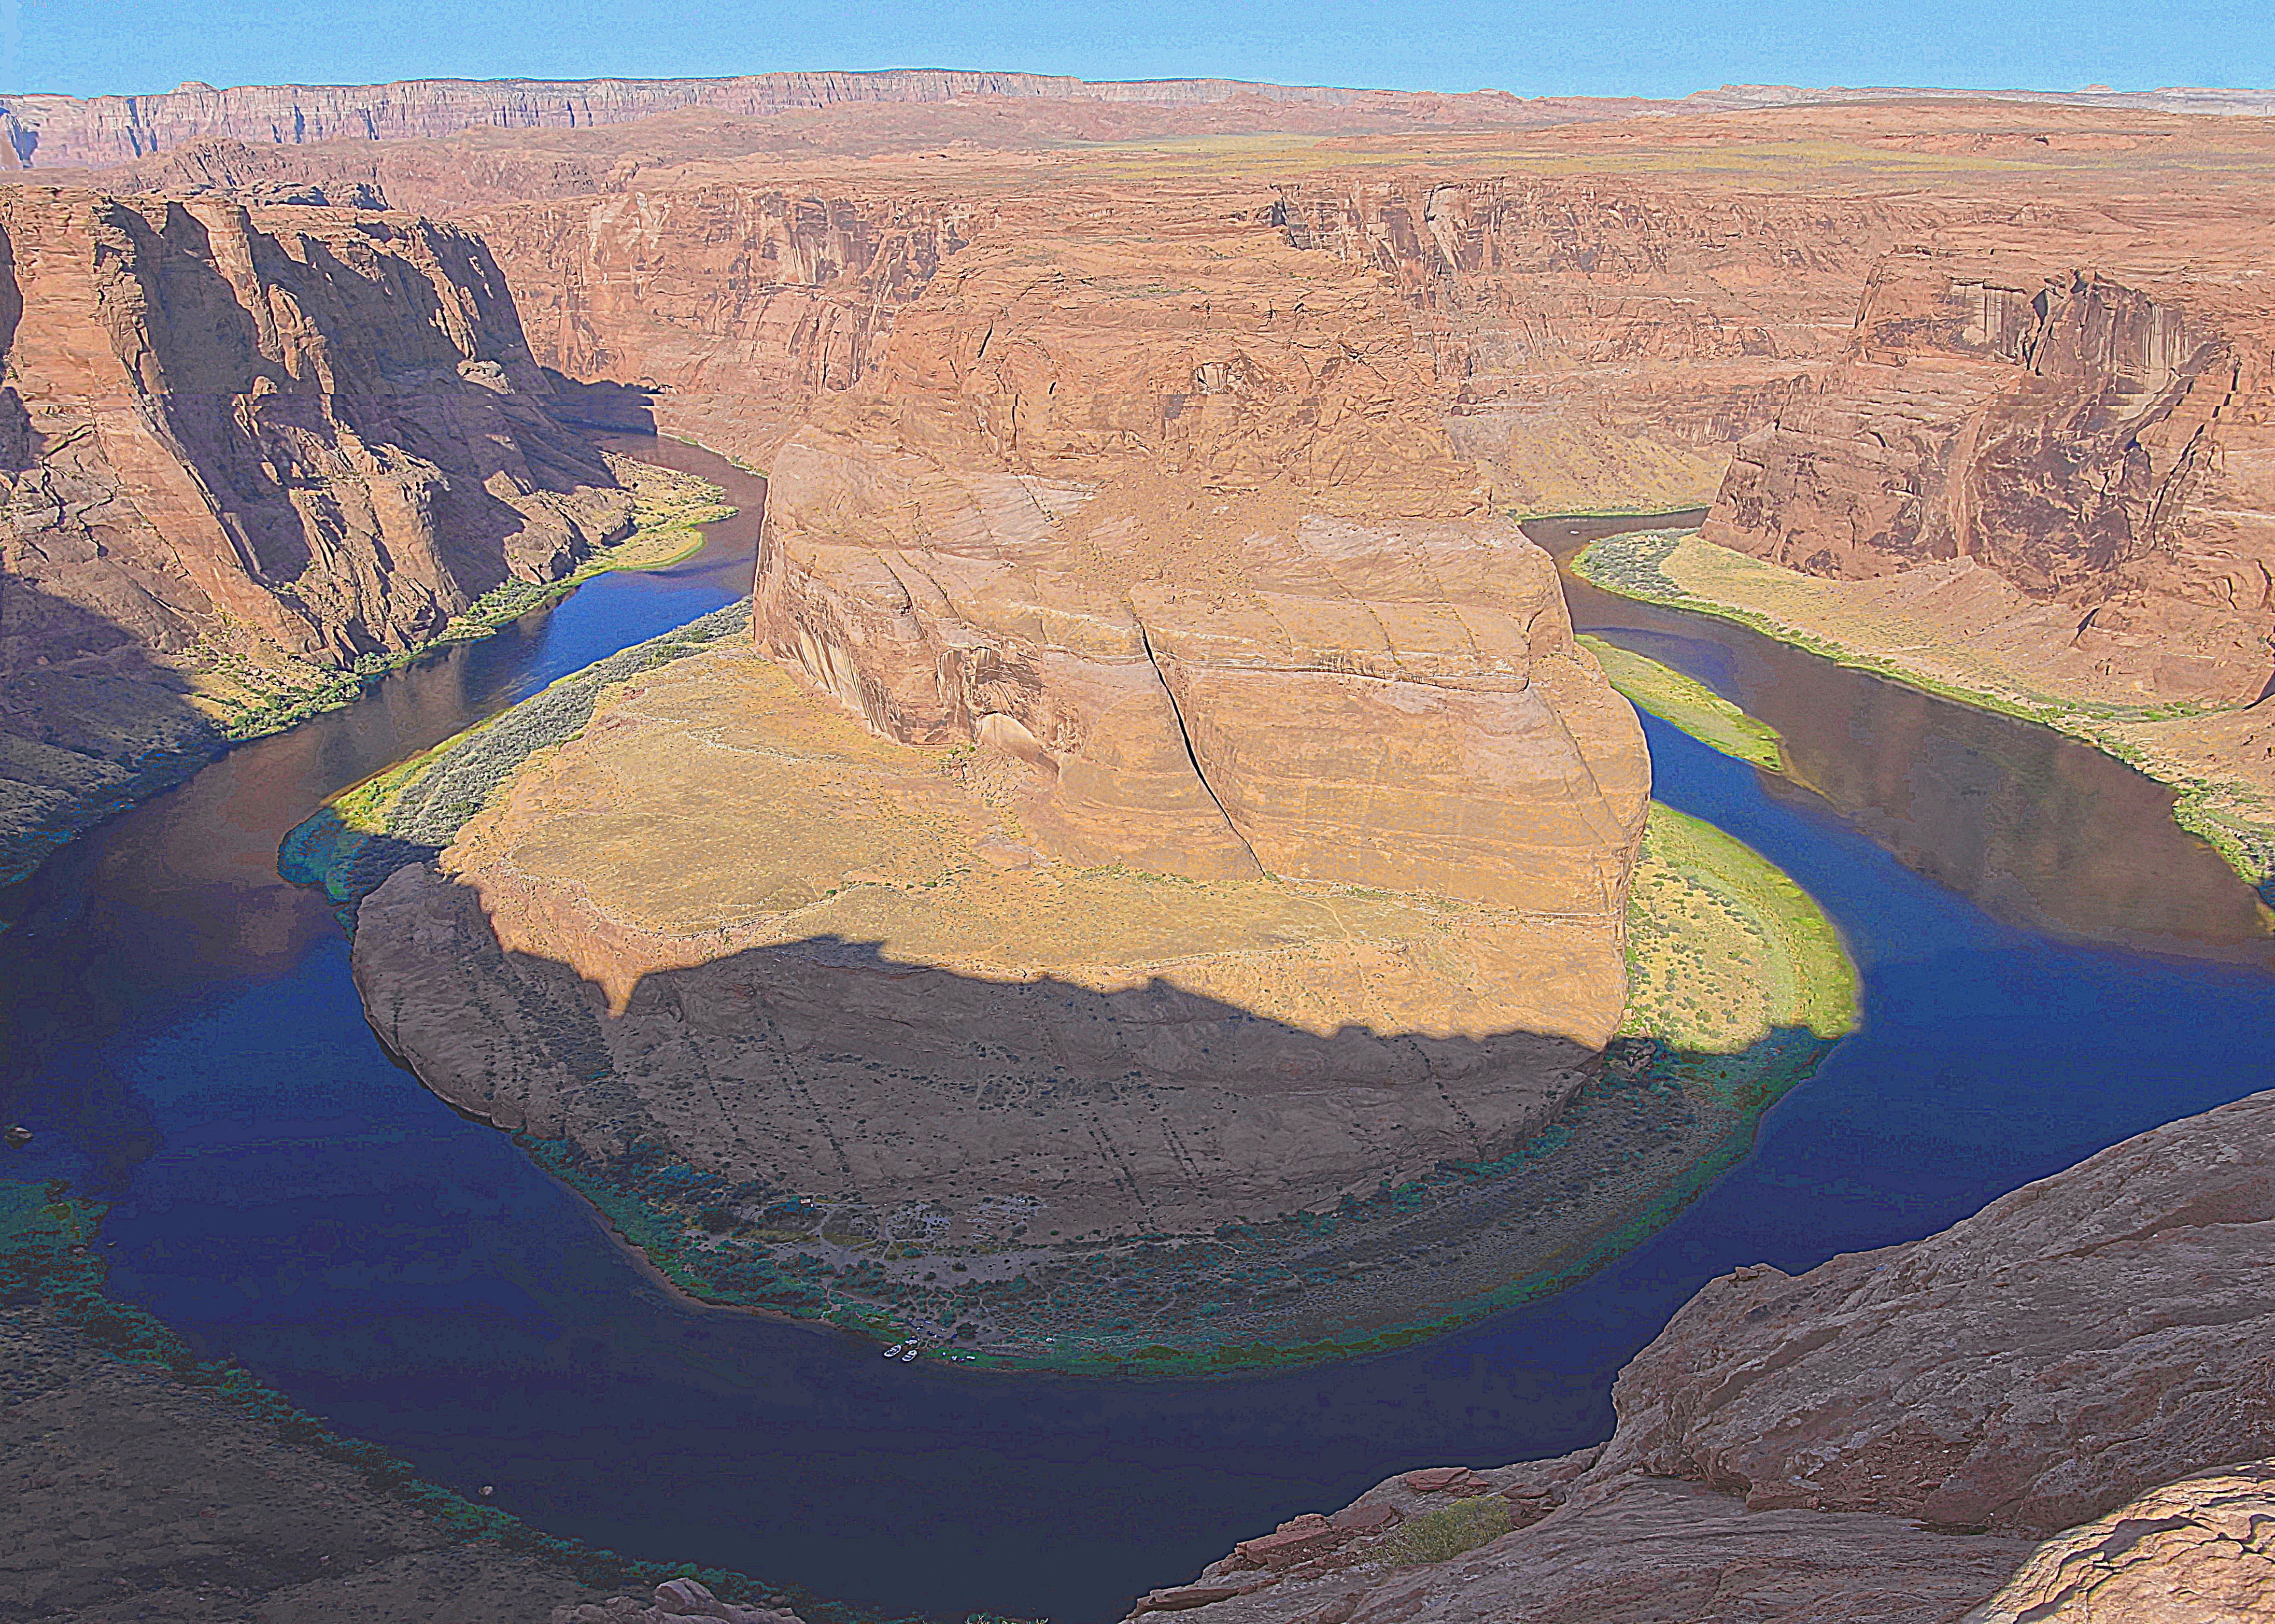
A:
(2048, 966)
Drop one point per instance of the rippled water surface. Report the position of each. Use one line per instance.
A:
(2048, 966)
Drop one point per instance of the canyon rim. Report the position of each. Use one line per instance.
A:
(1148, 882)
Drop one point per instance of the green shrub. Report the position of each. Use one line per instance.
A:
(1437, 1535)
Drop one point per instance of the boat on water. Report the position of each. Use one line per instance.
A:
(894, 1352)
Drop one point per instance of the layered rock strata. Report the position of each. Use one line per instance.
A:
(1885, 1437)
(52, 131)
(2081, 449)
(237, 442)
(726, 309)
(1606, 341)
(1611, 303)
(1180, 532)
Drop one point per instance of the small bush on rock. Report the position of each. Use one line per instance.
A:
(1437, 1535)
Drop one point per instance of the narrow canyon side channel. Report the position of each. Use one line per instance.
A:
(185, 1041)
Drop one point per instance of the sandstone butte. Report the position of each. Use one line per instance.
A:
(241, 450)
(1237, 825)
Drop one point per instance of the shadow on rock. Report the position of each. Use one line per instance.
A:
(89, 723)
(1041, 1172)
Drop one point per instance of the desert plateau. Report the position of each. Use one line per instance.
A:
(827, 846)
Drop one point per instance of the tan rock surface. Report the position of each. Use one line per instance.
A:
(1644, 1552)
(1180, 524)
(2075, 1342)
(1610, 301)
(230, 418)
(2201, 1550)
(1816, 1446)
(836, 972)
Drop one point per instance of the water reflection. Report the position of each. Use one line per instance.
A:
(181, 896)
(2035, 828)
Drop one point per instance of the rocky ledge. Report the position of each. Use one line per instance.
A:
(2057, 1409)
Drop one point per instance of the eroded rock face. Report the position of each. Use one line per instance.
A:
(677, 1601)
(2201, 1550)
(1643, 1551)
(1164, 790)
(235, 438)
(1180, 527)
(325, 426)
(2095, 440)
(1834, 1446)
(2082, 1339)
(729, 306)
(1604, 341)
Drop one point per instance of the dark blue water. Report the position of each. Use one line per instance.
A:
(188, 1043)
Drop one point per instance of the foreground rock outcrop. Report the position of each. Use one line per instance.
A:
(242, 451)
(677, 1601)
(1887, 1437)
(2201, 1550)
(131, 1494)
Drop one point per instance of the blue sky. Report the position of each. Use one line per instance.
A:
(1532, 47)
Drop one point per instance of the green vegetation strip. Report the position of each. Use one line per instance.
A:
(415, 808)
(669, 510)
(1688, 704)
(1629, 565)
(1746, 931)
(48, 1256)
(2235, 821)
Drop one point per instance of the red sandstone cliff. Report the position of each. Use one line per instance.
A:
(1605, 340)
(235, 440)
(736, 307)
(2094, 433)
(1167, 509)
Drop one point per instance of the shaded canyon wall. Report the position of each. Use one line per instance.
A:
(233, 440)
